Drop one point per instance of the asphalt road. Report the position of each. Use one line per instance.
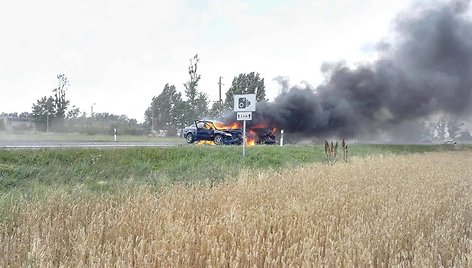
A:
(80, 144)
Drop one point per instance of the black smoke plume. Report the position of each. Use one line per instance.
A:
(426, 69)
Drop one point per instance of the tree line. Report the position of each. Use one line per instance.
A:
(55, 113)
(170, 110)
(51, 111)
(448, 127)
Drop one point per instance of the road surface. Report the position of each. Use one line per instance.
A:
(81, 144)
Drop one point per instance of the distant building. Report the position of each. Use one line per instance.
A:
(17, 123)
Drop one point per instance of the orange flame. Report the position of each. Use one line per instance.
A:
(220, 125)
(202, 142)
(250, 142)
(252, 137)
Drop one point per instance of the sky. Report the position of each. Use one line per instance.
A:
(118, 54)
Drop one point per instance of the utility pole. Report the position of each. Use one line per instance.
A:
(47, 116)
(152, 117)
(91, 109)
(47, 122)
(219, 86)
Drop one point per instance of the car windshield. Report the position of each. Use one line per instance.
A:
(221, 125)
(208, 125)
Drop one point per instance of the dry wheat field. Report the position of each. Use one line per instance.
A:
(382, 211)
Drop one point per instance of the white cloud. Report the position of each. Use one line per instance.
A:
(119, 54)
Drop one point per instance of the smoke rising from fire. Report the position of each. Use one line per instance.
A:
(425, 70)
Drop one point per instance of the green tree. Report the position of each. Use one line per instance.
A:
(73, 113)
(217, 109)
(2, 125)
(447, 127)
(24, 115)
(54, 109)
(44, 111)
(105, 123)
(191, 90)
(197, 102)
(60, 100)
(440, 128)
(165, 111)
(454, 127)
(180, 110)
(15, 114)
(201, 105)
(250, 83)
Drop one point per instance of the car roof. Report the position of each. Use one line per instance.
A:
(210, 121)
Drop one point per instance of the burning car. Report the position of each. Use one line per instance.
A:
(261, 135)
(220, 133)
(217, 132)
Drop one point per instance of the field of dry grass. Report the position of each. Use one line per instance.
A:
(409, 211)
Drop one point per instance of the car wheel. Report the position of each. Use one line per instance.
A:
(218, 139)
(189, 138)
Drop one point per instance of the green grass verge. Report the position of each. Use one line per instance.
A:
(41, 136)
(37, 174)
(110, 169)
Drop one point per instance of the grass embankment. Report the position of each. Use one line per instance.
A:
(109, 168)
(114, 169)
(381, 211)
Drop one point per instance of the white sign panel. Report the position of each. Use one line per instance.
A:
(244, 116)
(245, 103)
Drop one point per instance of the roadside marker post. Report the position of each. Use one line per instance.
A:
(244, 105)
(282, 137)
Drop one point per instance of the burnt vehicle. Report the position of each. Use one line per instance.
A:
(262, 135)
(209, 130)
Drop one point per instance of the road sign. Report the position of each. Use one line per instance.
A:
(245, 103)
(244, 116)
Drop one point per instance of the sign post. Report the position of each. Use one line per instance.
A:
(244, 105)
(244, 138)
